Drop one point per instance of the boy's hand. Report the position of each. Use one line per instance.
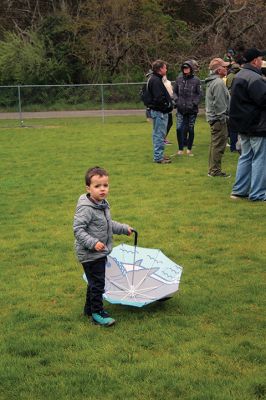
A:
(99, 246)
(130, 231)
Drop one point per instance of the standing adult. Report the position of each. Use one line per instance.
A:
(217, 107)
(148, 111)
(169, 88)
(160, 105)
(248, 117)
(234, 69)
(187, 93)
(263, 69)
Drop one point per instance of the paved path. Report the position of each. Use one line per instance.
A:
(70, 114)
(73, 114)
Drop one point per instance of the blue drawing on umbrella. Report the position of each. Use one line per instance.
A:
(138, 276)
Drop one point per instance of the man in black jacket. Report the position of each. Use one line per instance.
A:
(160, 106)
(248, 117)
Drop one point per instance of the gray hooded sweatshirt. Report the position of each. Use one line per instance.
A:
(93, 223)
(217, 99)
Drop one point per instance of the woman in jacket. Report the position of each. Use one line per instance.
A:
(187, 94)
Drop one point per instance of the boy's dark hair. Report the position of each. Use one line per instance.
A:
(157, 65)
(94, 171)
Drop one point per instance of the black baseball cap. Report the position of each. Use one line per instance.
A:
(252, 53)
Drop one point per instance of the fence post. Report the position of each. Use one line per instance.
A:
(19, 108)
(102, 102)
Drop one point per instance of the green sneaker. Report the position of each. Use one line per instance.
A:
(102, 319)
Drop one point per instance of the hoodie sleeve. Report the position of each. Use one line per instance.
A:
(82, 218)
(119, 229)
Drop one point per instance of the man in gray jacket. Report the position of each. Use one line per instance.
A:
(217, 106)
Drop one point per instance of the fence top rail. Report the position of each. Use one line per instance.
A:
(76, 85)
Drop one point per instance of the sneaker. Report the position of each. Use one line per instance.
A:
(103, 314)
(163, 161)
(237, 197)
(189, 153)
(180, 152)
(220, 174)
(102, 318)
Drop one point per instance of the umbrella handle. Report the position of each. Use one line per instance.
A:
(136, 237)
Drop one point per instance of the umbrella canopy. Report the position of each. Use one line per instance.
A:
(137, 276)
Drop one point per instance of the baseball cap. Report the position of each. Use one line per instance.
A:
(185, 65)
(216, 63)
(252, 53)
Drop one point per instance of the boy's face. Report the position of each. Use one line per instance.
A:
(99, 187)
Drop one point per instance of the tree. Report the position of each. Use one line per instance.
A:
(115, 38)
(235, 24)
(23, 61)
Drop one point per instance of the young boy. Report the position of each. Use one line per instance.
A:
(93, 229)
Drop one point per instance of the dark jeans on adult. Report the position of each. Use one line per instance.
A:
(219, 135)
(233, 136)
(148, 113)
(95, 274)
(170, 123)
(185, 122)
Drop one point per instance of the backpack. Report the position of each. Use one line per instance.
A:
(145, 94)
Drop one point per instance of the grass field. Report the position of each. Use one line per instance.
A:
(207, 343)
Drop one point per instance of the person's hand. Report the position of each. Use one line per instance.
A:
(99, 246)
(130, 231)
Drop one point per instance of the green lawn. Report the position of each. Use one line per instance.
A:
(207, 343)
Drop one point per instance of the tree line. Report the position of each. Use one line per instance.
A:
(92, 41)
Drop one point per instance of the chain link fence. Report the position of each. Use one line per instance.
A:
(21, 105)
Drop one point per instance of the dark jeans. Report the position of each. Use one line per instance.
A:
(170, 123)
(185, 122)
(148, 113)
(233, 139)
(95, 273)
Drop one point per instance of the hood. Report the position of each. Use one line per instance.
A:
(84, 200)
(211, 78)
(191, 65)
(235, 68)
